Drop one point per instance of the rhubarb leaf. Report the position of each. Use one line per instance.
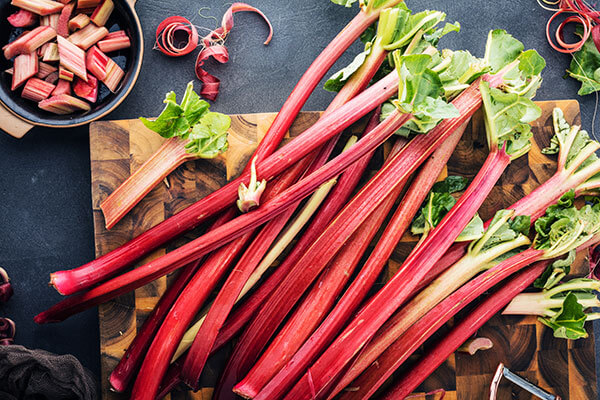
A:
(473, 231)
(501, 49)
(424, 21)
(338, 80)
(585, 67)
(193, 106)
(458, 69)
(507, 118)
(171, 121)
(555, 272)
(569, 322)
(208, 137)
(345, 3)
(434, 37)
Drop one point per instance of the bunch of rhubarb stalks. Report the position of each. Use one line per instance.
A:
(59, 58)
(316, 325)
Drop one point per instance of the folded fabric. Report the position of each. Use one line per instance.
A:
(38, 375)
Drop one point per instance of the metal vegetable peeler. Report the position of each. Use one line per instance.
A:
(537, 391)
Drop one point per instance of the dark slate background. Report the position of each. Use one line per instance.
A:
(45, 205)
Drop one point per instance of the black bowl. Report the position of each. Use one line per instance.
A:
(123, 17)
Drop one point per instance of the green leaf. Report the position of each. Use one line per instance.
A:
(208, 138)
(555, 272)
(424, 21)
(193, 106)
(531, 63)
(569, 322)
(507, 118)
(501, 229)
(171, 121)
(458, 69)
(434, 37)
(501, 49)
(338, 80)
(345, 3)
(438, 203)
(585, 68)
(473, 231)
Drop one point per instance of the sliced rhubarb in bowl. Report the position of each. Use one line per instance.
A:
(37, 90)
(39, 7)
(78, 22)
(51, 53)
(22, 19)
(88, 36)
(62, 87)
(26, 66)
(64, 104)
(114, 41)
(102, 12)
(45, 69)
(86, 90)
(72, 57)
(63, 20)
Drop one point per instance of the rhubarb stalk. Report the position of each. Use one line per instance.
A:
(194, 215)
(29, 42)
(39, 7)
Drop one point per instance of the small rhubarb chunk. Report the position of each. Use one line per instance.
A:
(88, 36)
(64, 104)
(87, 90)
(86, 4)
(102, 12)
(79, 22)
(114, 75)
(97, 63)
(471, 346)
(37, 90)
(26, 66)
(22, 19)
(63, 20)
(29, 42)
(65, 74)
(44, 70)
(52, 78)
(51, 53)
(62, 87)
(114, 41)
(72, 57)
(39, 7)
(50, 20)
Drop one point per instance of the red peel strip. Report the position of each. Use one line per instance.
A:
(596, 36)
(213, 47)
(562, 46)
(165, 33)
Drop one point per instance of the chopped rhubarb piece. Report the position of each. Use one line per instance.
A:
(79, 22)
(88, 36)
(52, 78)
(41, 50)
(51, 53)
(44, 70)
(29, 42)
(22, 19)
(97, 63)
(26, 66)
(65, 74)
(114, 41)
(40, 7)
(62, 87)
(102, 12)
(85, 4)
(50, 20)
(72, 57)
(62, 27)
(37, 90)
(86, 90)
(10, 71)
(64, 104)
(114, 75)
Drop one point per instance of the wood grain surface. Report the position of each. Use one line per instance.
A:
(117, 148)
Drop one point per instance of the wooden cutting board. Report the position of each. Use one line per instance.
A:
(117, 148)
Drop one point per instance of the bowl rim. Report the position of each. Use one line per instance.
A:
(137, 67)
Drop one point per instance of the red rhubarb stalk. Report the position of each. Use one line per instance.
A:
(50, 20)
(22, 19)
(308, 268)
(88, 36)
(62, 27)
(39, 7)
(72, 57)
(360, 287)
(44, 70)
(87, 90)
(63, 104)
(318, 302)
(62, 87)
(29, 42)
(87, 4)
(102, 13)
(37, 90)
(114, 76)
(396, 291)
(72, 281)
(80, 21)
(189, 303)
(368, 383)
(51, 53)
(114, 41)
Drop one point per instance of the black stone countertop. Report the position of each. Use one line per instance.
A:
(45, 204)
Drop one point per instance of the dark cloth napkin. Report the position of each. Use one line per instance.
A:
(39, 375)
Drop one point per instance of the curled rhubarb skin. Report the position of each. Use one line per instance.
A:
(366, 323)
(318, 302)
(194, 295)
(165, 160)
(327, 127)
(358, 290)
(465, 328)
